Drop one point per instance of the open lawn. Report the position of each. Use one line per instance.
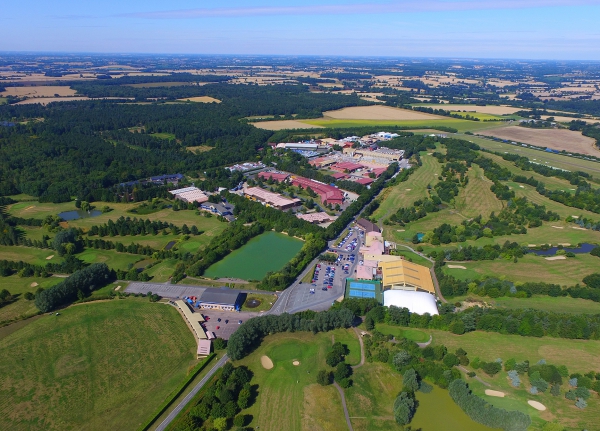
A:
(18, 285)
(113, 259)
(490, 345)
(97, 366)
(548, 303)
(477, 198)
(530, 268)
(412, 334)
(16, 310)
(167, 136)
(289, 397)
(265, 302)
(557, 139)
(378, 112)
(162, 271)
(35, 256)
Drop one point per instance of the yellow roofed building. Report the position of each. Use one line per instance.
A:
(405, 275)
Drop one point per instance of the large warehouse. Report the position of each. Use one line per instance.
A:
(405, 275)
(221, 299)
(272, 199)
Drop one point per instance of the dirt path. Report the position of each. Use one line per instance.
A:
(341, 391)
(362, 350)
(463, 369)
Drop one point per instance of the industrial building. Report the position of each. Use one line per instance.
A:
(274, 200)
(316, 218)
(346, 167)
(221, 299)
(329, 194)
(275, 176)
(404, 275)
(190, 194)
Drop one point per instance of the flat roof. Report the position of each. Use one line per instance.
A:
(184, 190)
(203, 347)
(364, 272)
(222, 296)
(403, 274)
(316, 217)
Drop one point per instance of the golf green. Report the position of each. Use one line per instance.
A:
(267, 252)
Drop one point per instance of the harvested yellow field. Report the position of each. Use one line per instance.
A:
(41, 91)
(557, 139)
(284, 124)
(377, 112)
(489, 109)
(201, 99)
(46, 100)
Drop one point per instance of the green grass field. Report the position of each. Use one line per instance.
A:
(266, 302)
(17, 310)
(35, 256)
(168, 136)
(18, 285)
(113, 259)
(530, 268)
(477, 198)
(96, 366)
(460, 125)
(163, 271)
(548, 303)
(415, 335)
(3, 100)
(485, 117)
(289, 397)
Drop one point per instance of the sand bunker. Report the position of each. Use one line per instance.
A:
(266, 362)
(531, 245)
(536, 405)
(556, 258)
(493, 393)
(408, 190)
(558, 227)
(34, 284)
(50, 257)
(579, 228)
(118, 287)
(456, 267)
(296, 362)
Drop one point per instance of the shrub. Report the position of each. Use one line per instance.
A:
(410, 381)
(324, 377)
(450, 360)
(515, 380)
(581, 403)
(401, 359)
(342, 371)
(491, 368)
(555, 390)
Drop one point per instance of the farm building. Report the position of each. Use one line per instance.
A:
(221, 299)
(367, 226)
(271, 199)
(329, 194)
(404, 275)
(275, 176)
(416, 302)
(316, 218)
(190, 194)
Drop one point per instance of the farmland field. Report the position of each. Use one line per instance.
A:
(460, 125)
(267, 252)
(557, 139)
(285, 124)
(378, 112)
(47, 100)
(201, 99)
(488, 109)
(96, 366)
(40, 91)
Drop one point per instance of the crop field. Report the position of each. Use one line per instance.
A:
(484, 117)
(40, 91)
(201, 99)
(378, 112)
(488, 109)
(460, 125)
(530, 268)
(46, 100)
(285, 124)
(557, 139)
(289, 397)
(96, 366)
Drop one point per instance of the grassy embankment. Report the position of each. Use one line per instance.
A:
(96, 366)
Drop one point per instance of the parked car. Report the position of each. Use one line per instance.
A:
(218, 327)
(219, 319)
(239, 322)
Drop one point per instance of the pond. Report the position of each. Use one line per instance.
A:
(267, 252)
(77, 214)
(583, 248)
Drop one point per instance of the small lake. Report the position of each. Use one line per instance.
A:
(584, 248)
(77, 214)
(267, 252)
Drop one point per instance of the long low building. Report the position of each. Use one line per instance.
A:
(272, 199)
(316, 218)
(275, 176)
(190, 194)
(404, 275)
(329, 194)
(193, 319)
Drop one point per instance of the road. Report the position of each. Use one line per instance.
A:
(164, 424)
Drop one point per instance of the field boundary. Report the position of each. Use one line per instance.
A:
(195, 371)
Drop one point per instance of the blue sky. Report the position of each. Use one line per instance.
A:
(529, 29)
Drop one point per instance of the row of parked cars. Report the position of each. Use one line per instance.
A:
(328, 277)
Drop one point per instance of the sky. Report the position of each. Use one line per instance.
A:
(526, 29)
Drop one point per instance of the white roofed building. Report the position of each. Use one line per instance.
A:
(416, 302)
